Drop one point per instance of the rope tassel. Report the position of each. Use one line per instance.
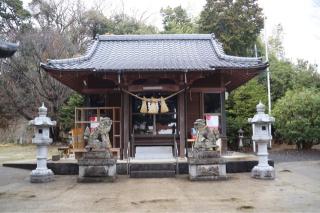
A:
(153, 106)
(144, 108)
(164, 108)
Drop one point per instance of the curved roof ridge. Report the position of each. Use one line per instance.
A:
(218, 47)
(90, 50)
(155, 51)
(153, 37)
(9, 46)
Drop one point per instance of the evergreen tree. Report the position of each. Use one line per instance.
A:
(297, 117)
(12, 16)
(176, 20)
(66, 112)
(241, 105)
(236, 24)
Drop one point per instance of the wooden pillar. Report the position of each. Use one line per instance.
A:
(223, 115)
(224, 141)
(182, 123)
(125, 121)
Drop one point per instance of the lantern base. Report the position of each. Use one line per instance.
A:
(41, 176)
(263, 172)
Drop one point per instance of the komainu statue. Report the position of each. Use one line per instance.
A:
(97, 164)
(205, 137)
(99, 139)
(205, 162)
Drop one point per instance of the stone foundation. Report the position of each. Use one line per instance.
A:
(206, 165)
(266, 173)
(97, 166)
(43, 176)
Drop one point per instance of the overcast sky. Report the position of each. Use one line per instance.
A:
(300, 19)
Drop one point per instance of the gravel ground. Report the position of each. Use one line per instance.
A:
(295, 189)
(291, 155)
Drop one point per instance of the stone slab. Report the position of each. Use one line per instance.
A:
(153, 174)
(96, 179)
(153, 166)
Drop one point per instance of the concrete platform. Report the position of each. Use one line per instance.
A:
(70, 167)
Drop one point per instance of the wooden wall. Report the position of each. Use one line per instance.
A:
(113, 100)
(194, 110)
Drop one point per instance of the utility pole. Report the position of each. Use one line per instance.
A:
(268, 70)
(268, 76)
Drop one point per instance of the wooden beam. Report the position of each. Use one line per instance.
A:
(208, 89)
(146, 88)
(131, 77)
(98, 90)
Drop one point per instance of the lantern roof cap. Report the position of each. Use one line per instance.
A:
(42, 120)
(261, 117)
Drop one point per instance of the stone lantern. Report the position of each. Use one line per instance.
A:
(42, 139)
(262, 136)
(240, 132)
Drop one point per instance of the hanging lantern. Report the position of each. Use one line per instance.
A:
(144, 108)
(154, 107)
(164, 108)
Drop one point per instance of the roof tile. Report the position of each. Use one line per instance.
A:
(154, 52)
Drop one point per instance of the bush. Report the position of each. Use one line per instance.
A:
(66, 112)
(240, 106)
(298, 118)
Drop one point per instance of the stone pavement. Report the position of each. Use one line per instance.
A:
(295, 189)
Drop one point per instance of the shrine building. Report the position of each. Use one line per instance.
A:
(153, 87)
(7, 49)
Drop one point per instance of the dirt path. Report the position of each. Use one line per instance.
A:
(296, 189)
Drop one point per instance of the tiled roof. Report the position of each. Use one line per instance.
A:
(155, 52)
(7, 49)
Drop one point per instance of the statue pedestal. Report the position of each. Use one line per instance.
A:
(206, 165)
(97, 166)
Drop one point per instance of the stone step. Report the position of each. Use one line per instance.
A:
(153, 174)
(152, 166)
(153, 152)
(152, 170)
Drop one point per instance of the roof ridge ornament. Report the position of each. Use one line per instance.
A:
(42, 110)
(260, 107)
(87, 56)
(218, 47)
